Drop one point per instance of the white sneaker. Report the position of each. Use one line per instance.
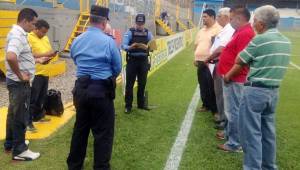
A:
(27, 155)
(27, 142)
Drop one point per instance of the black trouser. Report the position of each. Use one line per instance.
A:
(95, 111)
(17, 117)
(136, 67)
(38, 95)
(206, 83)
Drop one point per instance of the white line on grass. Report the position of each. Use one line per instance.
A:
(179, 145)
(295, 65)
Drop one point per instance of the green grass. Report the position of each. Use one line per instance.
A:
(142, 139)
(201, 152)
(295, 39)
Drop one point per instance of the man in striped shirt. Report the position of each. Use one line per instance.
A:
(20, 65)
(268, 57)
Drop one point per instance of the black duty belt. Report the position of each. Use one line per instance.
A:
(97, 88)
(140, 57)
(259, 84)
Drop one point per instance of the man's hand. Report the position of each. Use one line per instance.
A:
(134, 45)
(42, 60)
(143, 46)
(51, 54)
(25, 76)
(226, 78)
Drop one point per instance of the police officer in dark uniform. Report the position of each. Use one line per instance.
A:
(135, 44)
(98, 62)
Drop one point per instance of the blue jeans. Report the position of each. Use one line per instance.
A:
(257, 125)
(232, 93)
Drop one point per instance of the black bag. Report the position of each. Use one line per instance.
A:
(53, 104)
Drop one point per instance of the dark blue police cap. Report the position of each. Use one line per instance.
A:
(140, 18)
(100, 11)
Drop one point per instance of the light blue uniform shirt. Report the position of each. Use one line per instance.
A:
(127, 38)
(96, 54)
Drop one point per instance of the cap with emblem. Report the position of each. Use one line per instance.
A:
(100, 11)
(140, 18)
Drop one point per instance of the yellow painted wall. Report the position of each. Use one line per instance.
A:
(7, 19)
(11, 1)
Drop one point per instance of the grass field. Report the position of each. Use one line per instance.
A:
(143, 139)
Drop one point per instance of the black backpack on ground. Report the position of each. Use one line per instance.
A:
(53, 104)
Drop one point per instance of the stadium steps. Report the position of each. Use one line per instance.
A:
(79, 28)
(181, 25)
(165, 27)
(7, 19)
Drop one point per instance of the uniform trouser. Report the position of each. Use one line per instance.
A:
(218, 87)
(136, 67)
(206, 83)
(17, 117)
(38, 95)
(98, 115)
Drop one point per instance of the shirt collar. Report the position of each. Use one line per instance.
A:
(20, 29)
(272, 30)
(228, 26)
(213, 26)
(92, 28)
(33, 34)
(244, 27)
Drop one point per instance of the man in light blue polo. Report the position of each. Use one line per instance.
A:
(98, 62)
(268, 57)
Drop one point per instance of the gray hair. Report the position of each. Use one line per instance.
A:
(97, 19)
(224, 11)
(267, 14)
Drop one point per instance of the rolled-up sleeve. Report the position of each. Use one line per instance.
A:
(126, 39)
(150, 36)
(15, 45)
(116, 58)
(249, 53)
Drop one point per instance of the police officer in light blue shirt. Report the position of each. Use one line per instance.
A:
(135, 44)
(98, 62)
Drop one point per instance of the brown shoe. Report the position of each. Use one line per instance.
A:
(224, 148)
(220, 135)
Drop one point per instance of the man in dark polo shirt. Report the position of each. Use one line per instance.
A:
(268, 57)
(232, 89)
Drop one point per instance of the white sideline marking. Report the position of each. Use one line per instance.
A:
(179, 145)
(295, 65)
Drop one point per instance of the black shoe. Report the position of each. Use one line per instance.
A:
(127, 110)
(220, 126)
(144, 108)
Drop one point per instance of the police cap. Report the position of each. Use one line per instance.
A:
(140, 18)
(100, 11)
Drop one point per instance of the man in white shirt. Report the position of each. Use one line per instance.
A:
(220, 42)
(20, 65)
